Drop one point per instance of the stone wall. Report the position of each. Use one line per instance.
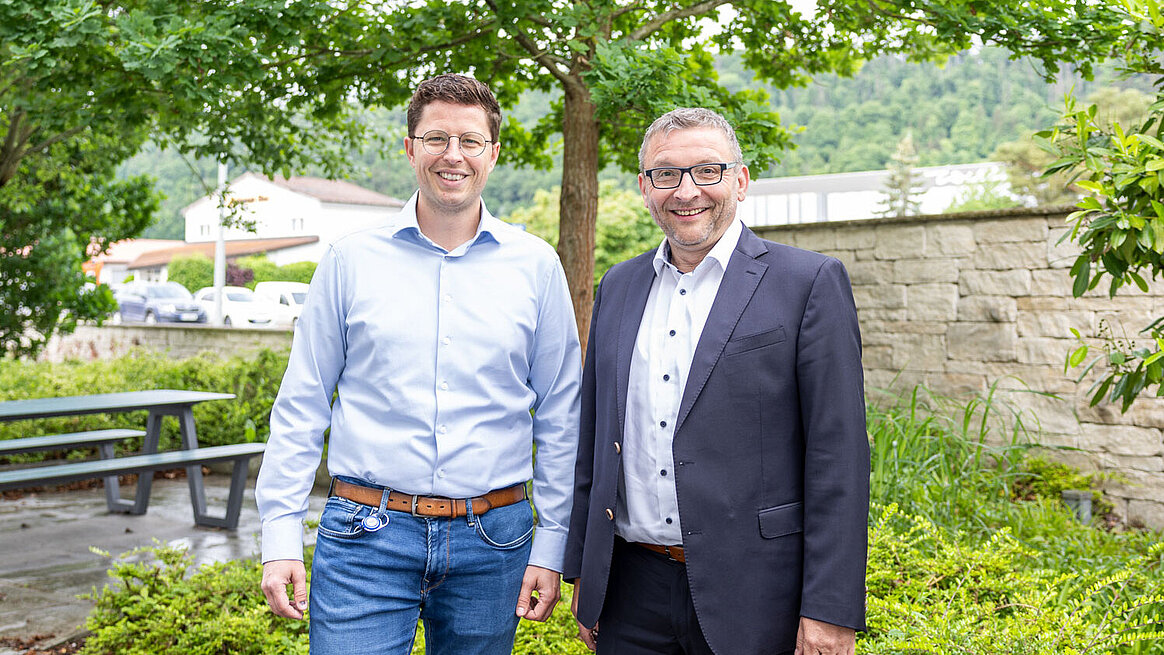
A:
(960, 302)
(178, 341)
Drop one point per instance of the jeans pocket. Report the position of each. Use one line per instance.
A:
(342, 518)
(506, 527)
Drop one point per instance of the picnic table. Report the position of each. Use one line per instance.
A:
(159, 403)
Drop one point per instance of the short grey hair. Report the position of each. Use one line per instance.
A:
(686, 118)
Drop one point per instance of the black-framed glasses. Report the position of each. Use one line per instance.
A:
(436, 142)
(669, 177)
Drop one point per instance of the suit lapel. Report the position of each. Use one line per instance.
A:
(735, 292)
(639, 281)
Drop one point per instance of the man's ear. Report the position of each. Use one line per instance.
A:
(408, 150)
(743, 177)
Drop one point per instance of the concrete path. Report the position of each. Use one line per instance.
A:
(45, 557)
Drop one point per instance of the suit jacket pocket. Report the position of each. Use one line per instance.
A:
(754, 341)
(782, 520)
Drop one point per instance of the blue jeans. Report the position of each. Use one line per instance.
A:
(461, 576)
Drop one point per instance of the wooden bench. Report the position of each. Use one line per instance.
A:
(192, 459)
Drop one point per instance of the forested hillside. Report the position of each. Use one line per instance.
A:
(957, 113)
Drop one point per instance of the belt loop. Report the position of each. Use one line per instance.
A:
(384, 493)
(414, 499)
(331, 488)
(468, 511)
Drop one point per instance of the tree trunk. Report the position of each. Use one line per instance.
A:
(578, 211)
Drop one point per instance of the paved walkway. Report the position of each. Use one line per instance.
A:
(45, 561)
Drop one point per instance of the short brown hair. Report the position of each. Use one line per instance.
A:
(458, 90)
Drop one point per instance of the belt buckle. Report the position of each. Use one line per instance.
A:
(415, 498)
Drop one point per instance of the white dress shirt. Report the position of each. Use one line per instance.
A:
(676, 311)
(438, 358)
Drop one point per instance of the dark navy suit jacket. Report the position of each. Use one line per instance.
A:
(770, 449)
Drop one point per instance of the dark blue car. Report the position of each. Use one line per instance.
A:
(157, 302)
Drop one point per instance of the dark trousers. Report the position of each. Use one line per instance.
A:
(648, 608)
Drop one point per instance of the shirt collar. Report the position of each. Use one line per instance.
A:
(719, 255)
(488, 227)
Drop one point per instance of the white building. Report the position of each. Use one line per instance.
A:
(851, 196)
(288, 208)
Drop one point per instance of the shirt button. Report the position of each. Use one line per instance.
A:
(448, 298)
(444, 386)
(683, 292)
(442, 429)
(609, 514)
(441, 473)
(672, 333)
(663, 473)
(666, 377)
(668, 520)
(662, 424)
(446, 341)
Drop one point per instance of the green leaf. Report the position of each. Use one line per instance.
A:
(1076, 358)
(1082, 278)
(1139, 281)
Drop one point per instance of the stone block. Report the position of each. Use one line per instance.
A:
(880, 314)
(870, 272)
(995, 283)
(919, 352)
(1131, 462)
(1010, 229)
(864, 254)
(816, 239)
(988, 309)
(846, 257)
(877, 357)
(904, 327)
(900, 241)
(1148, 513)
(855, 237)
(949, 240)
(1044, 351)
(1006, 256)
(931, 302)
(1048, 420)
(988, 342)
(1061, 255)
(1078, 460)
(1123, 440)
(884, 296)
(1014, 375)
(1139, 485)
(1055, 324)
(1051, 282)
(917, 271)
(962, 385)
(1041, 304)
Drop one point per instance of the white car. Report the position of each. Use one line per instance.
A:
(288, 296)
(240, 307)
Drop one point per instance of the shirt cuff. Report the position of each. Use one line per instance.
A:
(548, 550)
(282, 539)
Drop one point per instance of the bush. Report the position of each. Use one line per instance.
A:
(254, 380)
(192, 272)
(159, 606)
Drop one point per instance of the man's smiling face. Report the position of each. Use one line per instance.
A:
(452, 181)
(693, 217)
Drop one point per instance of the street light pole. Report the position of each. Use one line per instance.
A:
(220, 246)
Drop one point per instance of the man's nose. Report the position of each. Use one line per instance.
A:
(452, 151)
(687, 188)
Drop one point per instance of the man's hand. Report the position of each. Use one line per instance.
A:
(820, 638)
(279, 573)
(589, 636)
(547, 584)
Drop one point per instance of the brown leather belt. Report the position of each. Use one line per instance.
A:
(428, 505)
(674, 552)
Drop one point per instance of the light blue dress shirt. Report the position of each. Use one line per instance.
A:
(438, 358)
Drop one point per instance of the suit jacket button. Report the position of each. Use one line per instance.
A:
(609, 513)
(617, 447)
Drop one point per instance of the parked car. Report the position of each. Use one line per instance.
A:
(156, 302)
(240, 307)
(289, 297)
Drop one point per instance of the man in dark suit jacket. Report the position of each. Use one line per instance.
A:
(722, 482)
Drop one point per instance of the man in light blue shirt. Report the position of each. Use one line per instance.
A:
(449, 340)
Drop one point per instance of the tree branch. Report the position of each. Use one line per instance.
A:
(548, 60)
(650, 26)
(44, 145)
(325, 52)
